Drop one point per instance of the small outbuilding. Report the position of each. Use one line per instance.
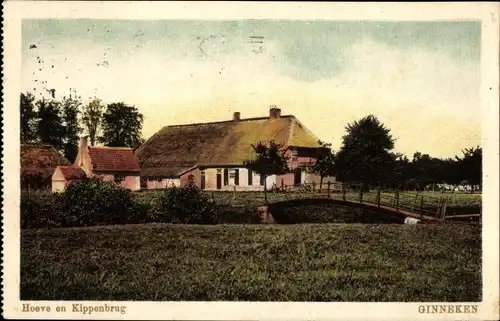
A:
(116, 164)
(64, 175)
(38, 163)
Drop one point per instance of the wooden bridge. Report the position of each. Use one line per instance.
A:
(410, 204)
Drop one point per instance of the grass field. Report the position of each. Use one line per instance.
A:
(328, 262)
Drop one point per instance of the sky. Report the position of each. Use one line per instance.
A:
(421, 79)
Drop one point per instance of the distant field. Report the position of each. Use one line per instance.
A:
(310, 262)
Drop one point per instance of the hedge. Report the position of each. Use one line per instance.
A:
(94, 202)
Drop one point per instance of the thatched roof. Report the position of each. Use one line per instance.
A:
(40, 159)
(177, 148)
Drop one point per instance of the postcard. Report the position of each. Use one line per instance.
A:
(250, 160)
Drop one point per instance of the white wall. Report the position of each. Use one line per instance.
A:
(211, 180)
(58, 186)
(164, 183)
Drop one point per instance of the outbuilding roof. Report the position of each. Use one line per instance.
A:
(72, 172)
(40, 159)
(113, 159)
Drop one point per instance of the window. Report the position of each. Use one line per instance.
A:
(295, 153)
(232, 173)
(226, 176)
(250, 177)
(159, 179)
(202, 185)
(119, 178)
(236, 177)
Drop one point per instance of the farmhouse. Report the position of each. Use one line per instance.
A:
(212, 154)
(64, 175)
(118, 164)
(38, 163)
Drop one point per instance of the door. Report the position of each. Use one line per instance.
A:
(219, 180)
(296, 176)
(202, 185)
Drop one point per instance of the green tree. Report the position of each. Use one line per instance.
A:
(70, 112)
(91, 117)
(365, 155)
(470, 166)
(121, 126)
(270, 159)
(50, 127)
(324, 166)
(28, 118)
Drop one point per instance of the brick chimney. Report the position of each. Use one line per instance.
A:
(274, 112)
(236, 116)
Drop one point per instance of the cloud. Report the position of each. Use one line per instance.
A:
(429, 98)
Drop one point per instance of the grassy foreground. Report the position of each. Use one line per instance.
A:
(328, 262)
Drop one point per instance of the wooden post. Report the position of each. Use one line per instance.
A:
(328, 185)
(397, 200)
(234, 193)
(343, 193)
(443, 214)
(314, 186)
(421, 207)
(438, 211)
(378, 196)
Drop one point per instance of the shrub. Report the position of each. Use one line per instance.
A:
(41, 210)
(93, 201)
(187, 205)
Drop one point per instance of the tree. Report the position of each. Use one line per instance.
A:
(92, 115)
(121, 126)
(28, 118)
(470, 166)
(365, 155)
(70, 112)
(270, 160)
(324, 165)
(50, 127)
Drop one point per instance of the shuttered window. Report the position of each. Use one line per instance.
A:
(250, 177)
(226, 176)
(236, 177)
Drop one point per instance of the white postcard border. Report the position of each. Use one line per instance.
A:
(14, 11)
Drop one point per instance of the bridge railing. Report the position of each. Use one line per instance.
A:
(412, 203)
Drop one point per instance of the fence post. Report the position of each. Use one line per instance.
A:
(421, 207)
(438, 210)
(314, 186)
(328, 189)
(378, 196)
(343, 192)
(234, 193)
(397, 200)
(443, 214)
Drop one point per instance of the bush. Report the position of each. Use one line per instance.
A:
(93, 201)
(186, 205)
(41, 210)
